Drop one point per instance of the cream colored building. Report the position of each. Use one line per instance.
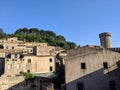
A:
(93, 67)
(18, 56)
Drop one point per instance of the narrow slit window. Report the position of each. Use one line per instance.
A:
(51, 69)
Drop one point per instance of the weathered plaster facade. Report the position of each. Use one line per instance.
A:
(19, 56)
(93, 75)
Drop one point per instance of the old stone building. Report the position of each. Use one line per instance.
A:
(19, 56)
(93, 67)
(86, 68)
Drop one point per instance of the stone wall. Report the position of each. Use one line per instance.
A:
(40, 64)
(94, 76)
(6, 82)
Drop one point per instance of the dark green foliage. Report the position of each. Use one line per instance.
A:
(27, 75)
(2, 34)
(33, 31)
(22, 30)
(1, 31)
(36, 35)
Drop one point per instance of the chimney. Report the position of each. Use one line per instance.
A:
(105, 39)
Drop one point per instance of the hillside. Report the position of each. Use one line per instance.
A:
(36, 35)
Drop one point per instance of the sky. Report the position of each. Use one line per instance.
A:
(79, 21)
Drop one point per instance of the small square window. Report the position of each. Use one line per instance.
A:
(50, 60)
(11, 40)
(12, 47)
(29, 60)
(7, 60)
(105, 65)
(83, 66)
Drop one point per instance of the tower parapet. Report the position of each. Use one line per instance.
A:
(105, 39)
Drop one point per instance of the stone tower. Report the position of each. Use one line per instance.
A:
(105, 39)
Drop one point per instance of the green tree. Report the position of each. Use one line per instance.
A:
(60, 38)
(2, 34)
(22, 30)
(49, 37)
(34, 31)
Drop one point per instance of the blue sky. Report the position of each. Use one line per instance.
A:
(79, 21)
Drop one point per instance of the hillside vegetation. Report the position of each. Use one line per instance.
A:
(36, 35)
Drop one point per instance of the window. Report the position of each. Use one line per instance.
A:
(12, 47)
(6, 47)
(83, 66)
(112, 85)
(15, 55)
(51, 69)
(9, 66)
(105, 65)
(21, 56)
(7, 59)
(50, 60)
(29, 60)
(18, 66)
(31, 50)
(1, 47)
(80, 86)
(11, 40)
(8, 55)
(28, 70)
